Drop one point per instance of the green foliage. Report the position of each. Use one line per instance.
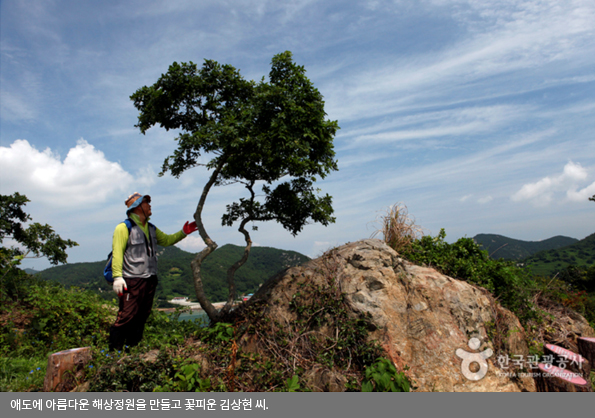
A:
(186, 379)
(257, 131)
(52, 307)
(549, 263)
(382, 376)
(573, 288)
(166, 330)
(219, 332)
(292, 384)
(48, 307)
(15, 283)
(48, 318)
(465, 260)
(33, 313)
(41, 240)
(579, 278)
(21, 374)
(112, 373)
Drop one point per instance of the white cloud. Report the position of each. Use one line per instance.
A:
(542, 192)
(581, 195)
(454, 123)
(192, 243)
(485, 200)
(85, 174)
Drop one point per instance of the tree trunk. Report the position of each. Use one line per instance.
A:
(196, 264)
(232, 270)
(566, 359)
(586, 346)
(65, 368)
(553, 379)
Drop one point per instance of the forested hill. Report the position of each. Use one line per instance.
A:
(550, 262)
(499, 246)
(175, 274)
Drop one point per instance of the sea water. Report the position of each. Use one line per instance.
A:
(195, 315)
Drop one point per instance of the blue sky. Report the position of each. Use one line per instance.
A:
(478, 115)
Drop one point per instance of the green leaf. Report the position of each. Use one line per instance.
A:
(367, 387)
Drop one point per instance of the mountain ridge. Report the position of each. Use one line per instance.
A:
(550, 262)
(500, 246)
(175, 272)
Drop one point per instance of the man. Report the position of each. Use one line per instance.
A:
(134, 268)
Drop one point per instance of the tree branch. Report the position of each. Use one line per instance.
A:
(196, 264)
(232, 270)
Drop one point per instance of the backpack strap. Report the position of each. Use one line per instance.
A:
(128, 223)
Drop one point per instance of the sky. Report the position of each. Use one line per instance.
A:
(477, 115)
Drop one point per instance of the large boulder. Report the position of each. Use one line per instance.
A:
(422, 318)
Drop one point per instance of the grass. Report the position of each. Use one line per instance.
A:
(397, 227)
(19, 374)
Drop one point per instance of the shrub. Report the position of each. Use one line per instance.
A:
(64, 319)
(382, 376)
(465, 260)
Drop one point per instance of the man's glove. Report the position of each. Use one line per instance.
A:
(119, 286)
(190, 227)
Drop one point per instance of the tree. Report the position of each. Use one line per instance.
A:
(272, 135)
(40, 240)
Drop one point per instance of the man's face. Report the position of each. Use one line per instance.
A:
(147, 207)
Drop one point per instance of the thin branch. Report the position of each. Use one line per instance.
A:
(497, 249)
(232, 270)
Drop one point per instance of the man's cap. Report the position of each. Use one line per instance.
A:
(134, 200)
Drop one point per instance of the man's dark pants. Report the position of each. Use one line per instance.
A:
(134, 309)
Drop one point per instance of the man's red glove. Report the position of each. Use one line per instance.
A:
(190, 227)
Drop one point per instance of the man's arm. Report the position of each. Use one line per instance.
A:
(118, 247)
(166, 240)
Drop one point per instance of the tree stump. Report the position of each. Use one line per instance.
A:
(65, 368)
(566, 359)
(586, 346)
(554, 379)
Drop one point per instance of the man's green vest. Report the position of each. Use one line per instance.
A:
(140, 258)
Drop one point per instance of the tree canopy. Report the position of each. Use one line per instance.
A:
(38, 239)
(41, 240)
(269, 134)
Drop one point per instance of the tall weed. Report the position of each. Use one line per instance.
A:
(397, 227)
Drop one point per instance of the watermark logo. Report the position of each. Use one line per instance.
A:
(470, 358)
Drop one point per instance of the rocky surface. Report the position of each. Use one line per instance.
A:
(420, 316)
